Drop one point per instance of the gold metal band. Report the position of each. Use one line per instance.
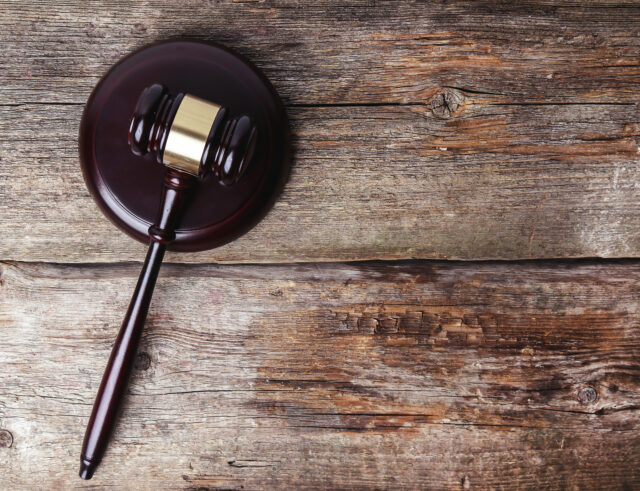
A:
(188, 134)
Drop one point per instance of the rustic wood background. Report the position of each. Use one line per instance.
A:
(422, 131)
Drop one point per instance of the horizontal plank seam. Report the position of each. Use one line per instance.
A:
(582, 261)
(41, 103)
(304, 105)
(562, 103)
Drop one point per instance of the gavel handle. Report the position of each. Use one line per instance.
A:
(116, 375)
(175, 194)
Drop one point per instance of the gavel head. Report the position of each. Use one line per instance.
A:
(192, 135)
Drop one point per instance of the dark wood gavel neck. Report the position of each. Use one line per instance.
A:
(177, 189)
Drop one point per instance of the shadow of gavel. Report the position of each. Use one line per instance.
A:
(196, 140)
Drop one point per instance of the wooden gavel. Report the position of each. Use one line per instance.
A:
(196, 140)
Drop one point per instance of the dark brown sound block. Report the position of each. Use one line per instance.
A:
(128, 187)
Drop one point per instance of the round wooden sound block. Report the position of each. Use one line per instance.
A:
(128, 187)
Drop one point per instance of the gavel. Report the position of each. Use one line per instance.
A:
(196, 140)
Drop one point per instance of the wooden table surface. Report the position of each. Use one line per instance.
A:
(336, 345)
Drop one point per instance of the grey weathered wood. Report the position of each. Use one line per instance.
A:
(362, 375)
(470, 131)
(335, 52)
(498, 181)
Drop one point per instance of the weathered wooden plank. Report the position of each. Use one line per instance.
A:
(442, 375)
(330, 52)
(495, 180)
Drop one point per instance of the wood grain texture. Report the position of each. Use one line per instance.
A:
(466, 130)
(450, 130)
(369, 375)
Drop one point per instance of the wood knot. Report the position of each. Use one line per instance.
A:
(446, 103)
(142, 362)
(587, 395)
(6, 439)
(139, 28)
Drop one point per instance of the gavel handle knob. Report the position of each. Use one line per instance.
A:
(176, 191)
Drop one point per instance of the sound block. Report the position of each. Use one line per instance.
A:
(127, 188)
